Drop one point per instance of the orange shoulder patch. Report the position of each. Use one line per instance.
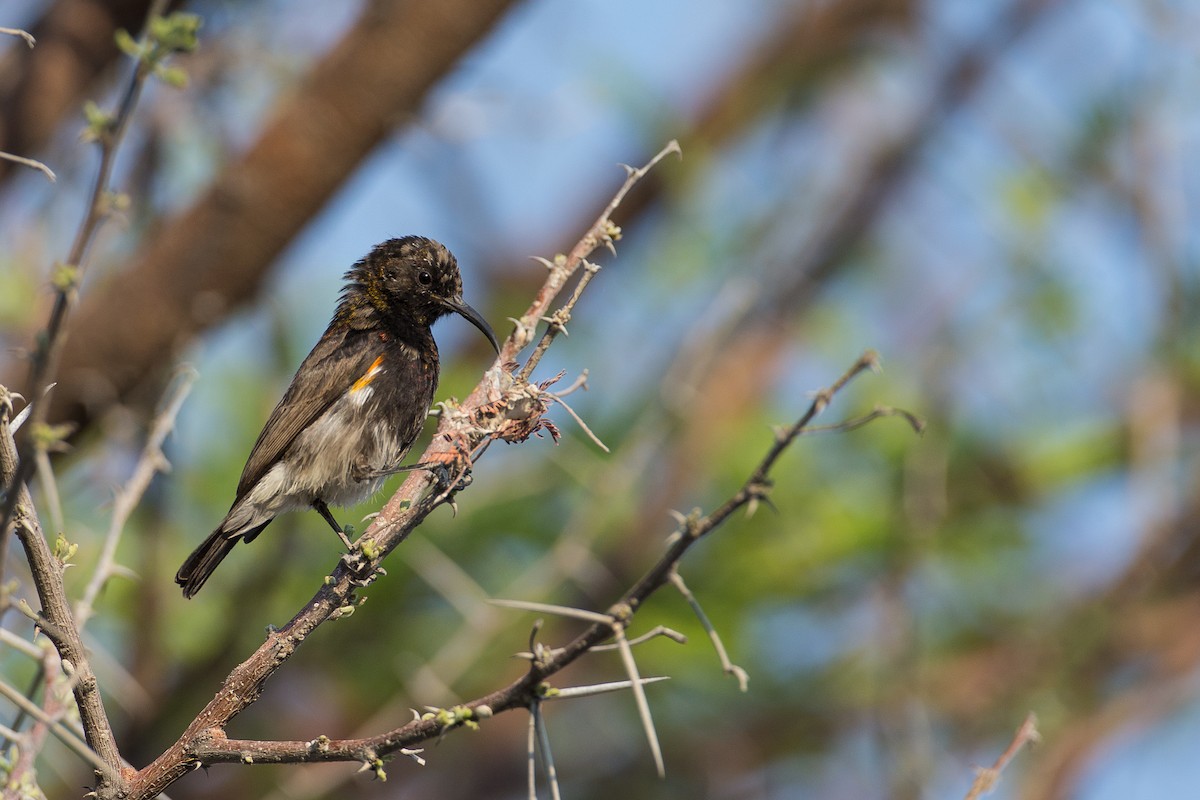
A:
(366, 379)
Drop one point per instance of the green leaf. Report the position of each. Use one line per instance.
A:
(127, 44)
(99, 122)
(176, 77)
(176, 32)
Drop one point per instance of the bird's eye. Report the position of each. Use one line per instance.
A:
(425, 278)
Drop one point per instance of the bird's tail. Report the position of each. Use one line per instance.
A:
(212, 551)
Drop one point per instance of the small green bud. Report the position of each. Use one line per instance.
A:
(115, 202)
(127, 44)
(175, 77)
(176, 32)
(99, 122)
(65, 277)
(51, 438)
(64, 551)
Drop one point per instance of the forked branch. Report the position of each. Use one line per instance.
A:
(211, 747)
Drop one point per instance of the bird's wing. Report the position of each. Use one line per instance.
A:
(340, 358)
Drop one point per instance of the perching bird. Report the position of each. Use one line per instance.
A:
(357, 402)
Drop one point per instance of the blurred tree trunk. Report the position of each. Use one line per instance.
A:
(214, 256)
(40, 87)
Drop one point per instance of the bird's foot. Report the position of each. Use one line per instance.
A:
(362, 573)
(363, 569)
(452, 470)
(451, 473)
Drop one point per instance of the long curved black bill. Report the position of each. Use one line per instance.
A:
(460, 307)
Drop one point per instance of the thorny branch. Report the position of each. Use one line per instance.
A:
(150, 463)
(502, 406)
(602, 232)
(214, 748)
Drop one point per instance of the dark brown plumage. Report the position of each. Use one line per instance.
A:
(357, 402)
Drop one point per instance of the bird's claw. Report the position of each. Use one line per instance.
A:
(362, 571)
(451, 471)
(452, 476)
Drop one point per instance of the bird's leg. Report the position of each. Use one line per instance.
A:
(445, 468)
(441, 465)
(360, 473)
(323, 509)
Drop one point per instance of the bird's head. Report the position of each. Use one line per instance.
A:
(407, 282)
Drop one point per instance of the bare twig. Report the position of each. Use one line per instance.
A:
(600, 688)
(743, 678)
(30, 162)
(986, 778)
(879, 412)
(539, 735)
(558, 398)
(26, 35)
(639, 696)
(539, 725)
(24, 646)
(653, 633)
(557, 322)
(579, 383)
(49, 486)
(568, 556)
(561, 611)
(531, 755)
(150, 463)
(602, 231)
